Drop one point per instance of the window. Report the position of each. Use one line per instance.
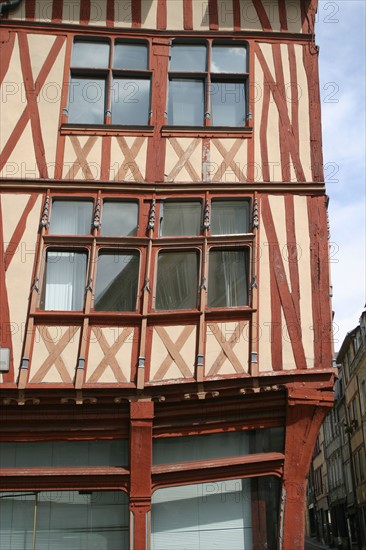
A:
(65, 278)
(180, 218)
(109, 82)
(199, 245)
(117, 279)
(216, 515)
(64, 519)
(177, 280)
(119, 218)
(208, 84)
(71, 217)
(227, 278)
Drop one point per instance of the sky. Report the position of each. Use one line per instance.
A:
(340, 34)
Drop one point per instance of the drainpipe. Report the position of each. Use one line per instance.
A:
(9, 5)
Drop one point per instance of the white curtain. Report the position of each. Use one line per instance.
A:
(228, 278)
(177, 280)
(65, 280)
(205, 516)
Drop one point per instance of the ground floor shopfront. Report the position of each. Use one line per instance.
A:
(107, 473)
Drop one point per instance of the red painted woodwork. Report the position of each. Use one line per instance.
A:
(188, 15)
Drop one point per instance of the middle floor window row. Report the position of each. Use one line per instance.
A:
(178, 278)
(183, 217)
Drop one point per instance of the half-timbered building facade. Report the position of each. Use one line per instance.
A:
(166, 356)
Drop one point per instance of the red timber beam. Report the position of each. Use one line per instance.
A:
(141, 417)
(136, 13)
(308, 13)
(161, 18)
(283, 15)
(213, 15)
(320, 281)
(84, 12)
(188, 15)
(262, 15)
(306, 410)
(7, 40)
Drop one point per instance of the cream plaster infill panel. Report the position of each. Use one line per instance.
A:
(287, 79)
(12, 205)
(123, 13)
(288, 359)
(200, 15)
(96, 354)
(98, 13)
(19, 272)
(160, 353)
(303, 238)
(73, 167)
(268, 55)
(294, 18)
(71, 11)
(13, 98)
(43, 11)
(249, 19)
(41, 354)
(137, 164)
(220, 170)
(172, 159)
(304, 113)
(273, 142)
(265, 316)
(175, 15)
(225, 15)
(39, 48)
(257, 115)
(277, 204)
(213, 349)
(272, 11)
(149, 10)
(22, 162)
(49, 110)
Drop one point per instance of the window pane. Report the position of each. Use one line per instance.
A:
(226, 59)
(180, 218)
(172, 450)
(87, 100)
(186, 102)
(65, 281)
(75, 520)
(71, 217)
(119, 218)
(39, 454)
(227, 278)
(229, 217)
(228, 103)
(90, 54)
(117, 280)
(177, 280)
(190, 57)
(130, 56)
(216, 515)
(130, 101)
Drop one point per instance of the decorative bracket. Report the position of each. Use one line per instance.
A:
(255, 223)
(45, 212)
(96, 220)
(206, 216)
(152, 215)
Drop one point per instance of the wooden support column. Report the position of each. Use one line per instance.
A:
(306, 410)
(141, 417)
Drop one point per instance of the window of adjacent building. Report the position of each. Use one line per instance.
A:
(120, 218)
(59, 520)
(180, 218)
(117, 281)
(65, 277)
(177, 280)
(228, 278)
(71, 217)
(219, 514)
(207, 81)
(109, 82)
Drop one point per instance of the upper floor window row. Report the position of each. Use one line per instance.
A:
(110, 83)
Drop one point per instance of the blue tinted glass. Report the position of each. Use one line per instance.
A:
(186, 102)
(226, 59)
(87, 100)
(130, 56)
(191, 57)
(228, 103)
(130, 101)
(90, 54)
